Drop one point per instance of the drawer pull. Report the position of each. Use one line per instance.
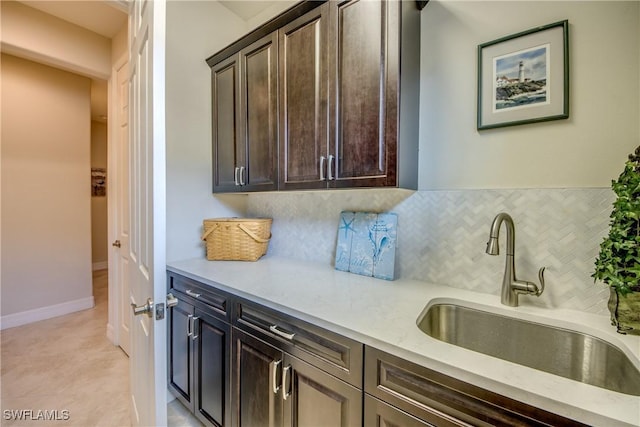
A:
(273, 366)
(193, 294)
(285, 335)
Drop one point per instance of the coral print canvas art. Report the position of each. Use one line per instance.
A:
(367, 244)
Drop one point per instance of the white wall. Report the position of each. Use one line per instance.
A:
(46, 206)
(32, 34)
(195, 30)
(587, 150)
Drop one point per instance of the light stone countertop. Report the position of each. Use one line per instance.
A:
(383, 314)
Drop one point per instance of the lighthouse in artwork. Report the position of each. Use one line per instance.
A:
(521, 72)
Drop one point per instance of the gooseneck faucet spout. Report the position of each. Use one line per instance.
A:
(511, 287)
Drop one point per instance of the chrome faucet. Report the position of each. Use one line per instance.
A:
(511, 286)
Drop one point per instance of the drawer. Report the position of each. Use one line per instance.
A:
(331, 352)
(200, 295)
(378, 413)
(444, 400)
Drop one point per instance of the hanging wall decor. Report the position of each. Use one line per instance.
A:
(524, 78)
(98, 182)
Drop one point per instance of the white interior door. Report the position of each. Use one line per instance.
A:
(119, 203)
(147, 246)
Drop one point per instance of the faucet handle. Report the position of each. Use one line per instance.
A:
(541, 278)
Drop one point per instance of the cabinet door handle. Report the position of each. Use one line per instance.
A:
(193, 327)
(322, 159)
(235, 175)
(241, 175)
(330, 167)
(193, 294)
(273, 367)
(285, 335)
(286, 387)
(189, 325)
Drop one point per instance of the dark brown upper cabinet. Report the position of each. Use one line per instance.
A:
(245, 118)
(303, 46)
(348, 84)
(364, 94)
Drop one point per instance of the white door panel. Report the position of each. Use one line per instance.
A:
(147, 206)
(120, 168)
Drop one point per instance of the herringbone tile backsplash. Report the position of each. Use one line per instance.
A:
(442, 235)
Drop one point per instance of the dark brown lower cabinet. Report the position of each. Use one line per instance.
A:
(437, 399)
(257, 369)
(199, 363)
(314, 398)
(272, 388)
(181, 353)
(252, 366)
(380, 414)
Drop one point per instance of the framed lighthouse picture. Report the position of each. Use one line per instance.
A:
(524, 78)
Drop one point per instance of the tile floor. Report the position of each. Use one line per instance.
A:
(67, 364)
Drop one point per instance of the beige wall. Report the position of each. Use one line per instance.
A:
(587, 150)
(99, 238)
(120, 45)
(32, 34)
(46, 207)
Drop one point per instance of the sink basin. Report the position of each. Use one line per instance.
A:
(564, 352)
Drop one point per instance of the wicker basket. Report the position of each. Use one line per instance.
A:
(235, 239)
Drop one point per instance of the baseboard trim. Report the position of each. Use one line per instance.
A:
(43, 313)
(101, 265)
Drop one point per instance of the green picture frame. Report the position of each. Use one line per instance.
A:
(524, 78)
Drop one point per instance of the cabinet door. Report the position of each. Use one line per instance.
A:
(259, 115)
(256, 382)
(314, 398)
(225, 124)
(364, 93)
(303, 101)
(181, 353)
(212, 372)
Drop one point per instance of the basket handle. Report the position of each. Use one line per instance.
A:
(252, 235)
(209, 231)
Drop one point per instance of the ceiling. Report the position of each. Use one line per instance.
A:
(103, 17)
(107, 17)
(247, 9)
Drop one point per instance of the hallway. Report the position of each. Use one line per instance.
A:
(66, 364)
(67, 367)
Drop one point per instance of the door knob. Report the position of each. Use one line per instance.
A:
(116, 244)
(143, 309)
(171, 300)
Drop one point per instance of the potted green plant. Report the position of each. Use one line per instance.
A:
(618, 263)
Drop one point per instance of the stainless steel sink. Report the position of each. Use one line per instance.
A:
(564, 352)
